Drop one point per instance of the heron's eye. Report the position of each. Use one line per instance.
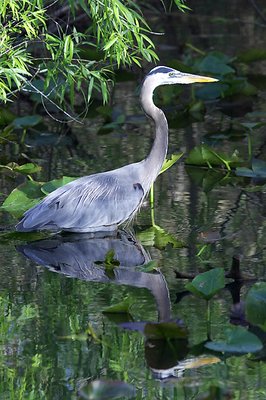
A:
(171, 73)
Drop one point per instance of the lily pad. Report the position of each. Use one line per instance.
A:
(256, 305)
(27, 169)
(207, 284)
(257, 170)
(237, 340)
(215, 63)
(56, 183)
(22, 198)
(171, 161)
(27, 121)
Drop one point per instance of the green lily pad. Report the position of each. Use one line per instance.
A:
(27, 169)
(27, 121)
(56, 183)
(237, 340)
(256, 305)
(207, 284)
(216, 64)
(22, 198)
(258, 169)
(171, 161)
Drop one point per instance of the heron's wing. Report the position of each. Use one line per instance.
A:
(87, 204)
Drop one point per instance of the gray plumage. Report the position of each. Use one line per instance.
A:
(101, 202)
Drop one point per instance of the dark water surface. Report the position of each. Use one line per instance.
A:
(55, 336)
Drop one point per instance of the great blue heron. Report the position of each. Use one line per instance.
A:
(102, 201)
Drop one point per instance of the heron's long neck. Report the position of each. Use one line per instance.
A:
(155, 159)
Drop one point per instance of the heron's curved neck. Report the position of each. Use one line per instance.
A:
(155, 159)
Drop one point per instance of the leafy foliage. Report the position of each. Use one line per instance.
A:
(36, 51)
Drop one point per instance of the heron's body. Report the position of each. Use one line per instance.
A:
(101, 202)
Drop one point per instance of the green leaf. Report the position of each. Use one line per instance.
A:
(56, 183)
(237, 340)
(258, 169)
(27, 169)
(252, 54)
(216, 64)
(171, 161)
(27, 121)
(207, 284)
(256, 305)
(202, 155)
(22, 198)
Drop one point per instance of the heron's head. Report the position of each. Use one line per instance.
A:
(168, 76)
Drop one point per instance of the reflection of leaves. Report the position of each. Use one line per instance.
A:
(207, 284)
(207, 178)
(165, 330)
(148, 267)
(258, 169)
(22, 198)
(107, 390)
(122, 307)
(256, 305)
(237, 340)
(157, 237)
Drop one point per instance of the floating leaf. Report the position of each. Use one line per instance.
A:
(107, 390)
(27, 121)
(212, 92)
(22, 198)
(165, 330)
(216, 64)
(27, 169)
(237, 340)
(256, 305)
(204, 155)
(258, 169)
(171, 161)
(207, 284)
(251, 55)
(56, 183)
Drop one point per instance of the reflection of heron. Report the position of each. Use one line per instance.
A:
(101, 202)
(82, 256)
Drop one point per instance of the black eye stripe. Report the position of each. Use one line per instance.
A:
(163, 70)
